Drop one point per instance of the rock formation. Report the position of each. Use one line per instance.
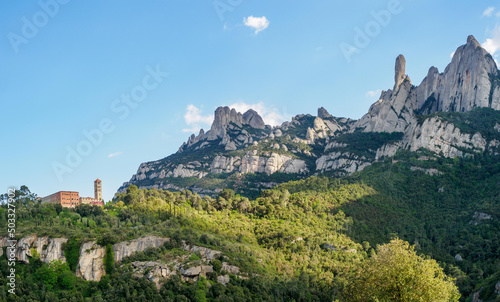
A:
(241, 143)
(323, 113)
(399, 74)
(90, 265)
(3, 243)
(127, 248)
(48, 249)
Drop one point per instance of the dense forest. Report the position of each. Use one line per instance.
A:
(405, 229)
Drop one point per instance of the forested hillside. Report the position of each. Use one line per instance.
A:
(308, 240)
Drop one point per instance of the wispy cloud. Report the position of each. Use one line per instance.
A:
(492, 45)
(114, 154)
(373, 93)
(489, 11)
(271, 115)
(195, 119)
(257, 23)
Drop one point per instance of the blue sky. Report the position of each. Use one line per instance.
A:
(65, 67)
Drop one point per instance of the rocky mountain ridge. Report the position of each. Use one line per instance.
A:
(406, 117)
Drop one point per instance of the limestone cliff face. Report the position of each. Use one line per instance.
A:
(393, 112)
(127, 248)
(48, 249)
(90, 265)
(258, 162)
(441, 137)
(344, 163)
(54, 250)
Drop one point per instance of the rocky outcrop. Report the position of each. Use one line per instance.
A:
(470, 81)
(443, 138)
(253, 119)
(399, 74)
(155, 170)
(224, 116)
(323, 113)
(158, 272)
(258, 162)
(478, 217)
(223, 279)
(153, 271)
(3, 243)
(430, 171)
(343, 163)
(53, 250)
(206, 253)
(127, 248)
(393, 112)
(48, 249)
(466, 83)
(222, 164)
(90, 265)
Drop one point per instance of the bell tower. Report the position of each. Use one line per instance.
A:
(98, 189)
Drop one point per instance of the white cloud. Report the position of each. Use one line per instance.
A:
(373, 93)
(270, 115)
(258, 23)
(492, 45)
(114, 154)
(451, 55)
(194, 119)
(497, 14)
(487, 12)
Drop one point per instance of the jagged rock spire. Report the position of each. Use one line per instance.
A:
(399, 75)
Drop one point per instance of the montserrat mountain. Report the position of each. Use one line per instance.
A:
(453, 113)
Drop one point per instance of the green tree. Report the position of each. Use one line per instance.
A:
(397, 273)
(109, 259)
(217, 265)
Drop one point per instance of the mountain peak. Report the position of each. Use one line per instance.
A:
(252, 118)
(323, 113)
(224, 116)
(399, 71)
(472, 41)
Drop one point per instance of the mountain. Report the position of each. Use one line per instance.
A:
(453, 113)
